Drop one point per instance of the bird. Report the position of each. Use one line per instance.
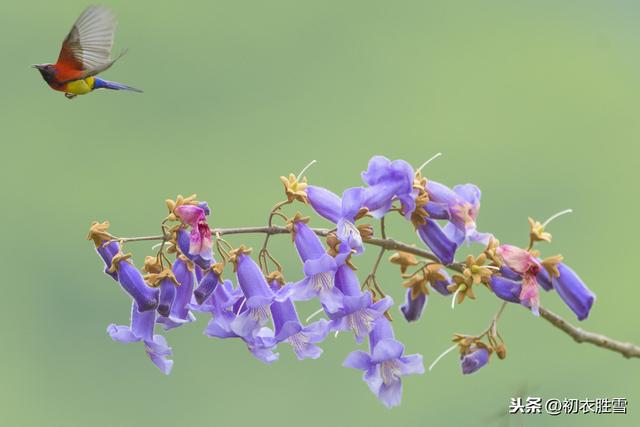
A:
(86, 52)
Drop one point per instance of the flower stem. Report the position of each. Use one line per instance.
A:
(264, 255)
(371, 278)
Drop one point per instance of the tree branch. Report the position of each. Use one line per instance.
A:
(626, 349)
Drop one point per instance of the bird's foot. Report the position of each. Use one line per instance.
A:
(70, 95)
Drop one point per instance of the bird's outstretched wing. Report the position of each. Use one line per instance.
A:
(87, 48)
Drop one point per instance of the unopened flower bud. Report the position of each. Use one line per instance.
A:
(501, 351)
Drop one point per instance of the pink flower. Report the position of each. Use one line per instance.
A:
(190, 214)
(525, 264)
(200, 243)
(200, 237)
(530, 295)
(518, 260)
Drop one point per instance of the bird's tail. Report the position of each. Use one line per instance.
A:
(105, 84)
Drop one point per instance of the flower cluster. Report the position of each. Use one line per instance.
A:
(254, 303)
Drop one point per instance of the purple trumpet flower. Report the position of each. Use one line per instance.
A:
(413, 308)
(167, 295)
(385, 364)
(358, 313)
(506, 289)
(105, 246)
(180, 313)
(475, 359)
(202, 260)
(199, 273)
(206, 286)
(544, 280)
(573, 291)
(308, 244)
(301, 338)
(438, 211)
(463, 203)
(389, 180)
(141, 329)
(340, 211)
(262, 345)
(510, 274)
(441, 245)
(258, 298)
(107, 250)
(225, 303)
(319, 269)
(133, 283)
(441, 286)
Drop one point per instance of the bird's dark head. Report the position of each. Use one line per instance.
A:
(48, 71)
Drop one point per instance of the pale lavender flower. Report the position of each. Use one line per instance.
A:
(358, 313)
(387, 181)
(302, 339)
(141, 329)
(463, 203)
(340, 211)
(258, 298)
(180, 313)
(224, 304)
(385, 364)
(319, 269)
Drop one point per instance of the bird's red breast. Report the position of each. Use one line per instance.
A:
(67, 67)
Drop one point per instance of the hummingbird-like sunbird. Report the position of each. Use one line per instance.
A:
(86, 52)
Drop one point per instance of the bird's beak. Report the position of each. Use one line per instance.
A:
(38, 66)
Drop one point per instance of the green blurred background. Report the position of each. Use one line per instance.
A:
(535, 101)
